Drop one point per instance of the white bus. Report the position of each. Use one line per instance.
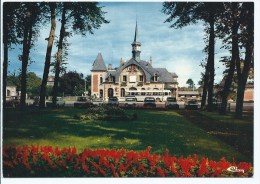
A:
(160, 96)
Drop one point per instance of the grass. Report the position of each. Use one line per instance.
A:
(159, 129)
(236, 132)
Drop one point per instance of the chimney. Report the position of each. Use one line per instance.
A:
(151, 62)
(121, 61)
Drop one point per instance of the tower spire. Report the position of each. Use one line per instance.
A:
(136, 33)
(136, 45)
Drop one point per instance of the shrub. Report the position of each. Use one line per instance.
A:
(104, 112)
(46, 161)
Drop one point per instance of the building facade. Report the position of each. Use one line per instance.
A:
(130, 76)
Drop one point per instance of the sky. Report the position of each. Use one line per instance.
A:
(177, 50)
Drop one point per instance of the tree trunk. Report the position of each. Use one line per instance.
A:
(234, 59)
(5, 63)
(48, 56)
(59, 57)
(26, 51)
(205, 88)
(211, 63)
(242, 77)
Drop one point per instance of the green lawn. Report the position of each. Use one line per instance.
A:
(159, 129)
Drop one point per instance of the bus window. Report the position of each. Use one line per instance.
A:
(142, 93)
(161, 93)
(166, 93)
(155, 93)
(149, 94)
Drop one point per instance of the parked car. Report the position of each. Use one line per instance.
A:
(171, 103)
(192, 104)
(149, 102)
(59, 102)
(130, 102)
(113, 101)
(13, 101)
(97, 101)
(82, 102)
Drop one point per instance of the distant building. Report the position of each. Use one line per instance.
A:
(249, 92)
(50, 81)
(186, 95)
(10, 91)
(132, 75)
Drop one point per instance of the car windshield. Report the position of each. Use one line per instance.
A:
(149, 99)
(130, 100)
(171, 99)
(113, 98)
(192, 102)
(82, 99)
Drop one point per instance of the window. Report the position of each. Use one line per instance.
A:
(141, 78)
(124, 78)
(155, 78)
(132, 78)
(101, 80)
(122, 92)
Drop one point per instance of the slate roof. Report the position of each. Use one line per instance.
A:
(99, 64)
(149, 71)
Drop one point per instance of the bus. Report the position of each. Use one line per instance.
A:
(160, 96)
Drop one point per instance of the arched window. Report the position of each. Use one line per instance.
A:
(132, 89)
(8, 93)
(101, 93)
(110, 92)
(122, 94)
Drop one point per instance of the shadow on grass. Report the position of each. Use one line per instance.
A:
(159, 129)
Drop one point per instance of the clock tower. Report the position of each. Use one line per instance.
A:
(136, 45)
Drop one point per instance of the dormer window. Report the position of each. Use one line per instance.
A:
(155, 78)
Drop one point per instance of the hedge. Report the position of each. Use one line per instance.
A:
(48, 161)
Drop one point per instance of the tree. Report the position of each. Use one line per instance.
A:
(230, 24)
(33, 84)
(48, 54)
(186, 13)
(31, 16)
(72, 83)
(84, 17)
(190, 83)
(243, 67)
(10, 16)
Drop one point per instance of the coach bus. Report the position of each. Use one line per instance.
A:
(160, 96)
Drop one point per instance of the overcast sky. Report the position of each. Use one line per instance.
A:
(178, 50)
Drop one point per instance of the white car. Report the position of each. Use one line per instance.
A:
(130, 102)
(59, 102)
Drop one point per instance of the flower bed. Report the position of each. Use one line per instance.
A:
(47, 161)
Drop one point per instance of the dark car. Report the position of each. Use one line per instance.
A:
(192, 104)
(113, 101)
(14, 101)
(149, 102)
(171, 103)
(82, 102)
(130, 102)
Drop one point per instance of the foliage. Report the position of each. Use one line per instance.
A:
(33, 83)
(190, 83)
(46, 161)
(105, 112)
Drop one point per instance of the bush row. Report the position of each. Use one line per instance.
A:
(47, 161)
